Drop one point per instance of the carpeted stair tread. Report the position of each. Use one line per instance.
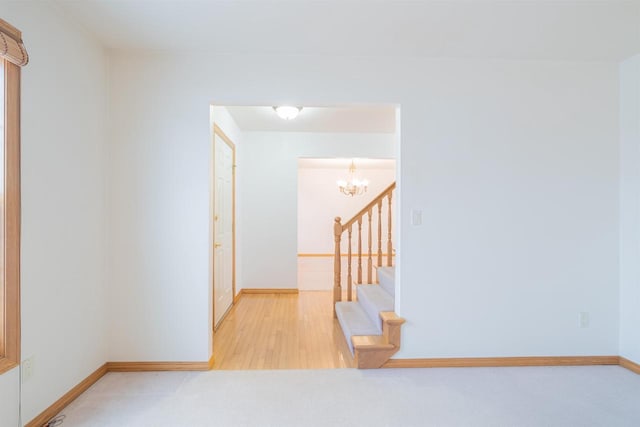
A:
(354, 321)
(375, 299)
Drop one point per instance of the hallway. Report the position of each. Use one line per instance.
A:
(281, 331)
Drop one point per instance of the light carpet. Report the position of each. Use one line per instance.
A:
(530, 396)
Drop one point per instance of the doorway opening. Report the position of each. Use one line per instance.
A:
(272, 280)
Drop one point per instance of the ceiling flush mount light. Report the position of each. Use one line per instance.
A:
(354, 186)
(287, 112)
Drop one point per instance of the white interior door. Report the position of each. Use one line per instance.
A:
(223, 229)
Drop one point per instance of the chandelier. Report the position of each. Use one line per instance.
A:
(354, 186)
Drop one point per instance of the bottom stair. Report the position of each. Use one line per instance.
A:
(370, 344)
(354, 321)
(374, 351)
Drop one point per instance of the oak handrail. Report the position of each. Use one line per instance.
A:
(364, 210)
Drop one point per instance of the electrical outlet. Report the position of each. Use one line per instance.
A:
(27, 369)
(583, 319)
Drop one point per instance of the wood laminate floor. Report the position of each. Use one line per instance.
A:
(281, 331)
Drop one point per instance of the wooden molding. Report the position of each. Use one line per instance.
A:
(9, 29)
(76, 391)
(470, 362)
(6, 365)
(268, 291)
(69, 397)
(237, 297)
(221, 134)
(11, 45)
(10, 253)
(158, 366)
(630, 365)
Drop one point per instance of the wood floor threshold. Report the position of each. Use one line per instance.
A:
(68, 397)
(268, 291)
(473, 362)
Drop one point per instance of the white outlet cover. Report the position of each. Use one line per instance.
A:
(27, 369)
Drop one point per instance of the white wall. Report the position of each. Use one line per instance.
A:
(159, 207)
(518, 179)
(63, 205)
(320, 201)
(268, 166)
(515, 164)
(10, 398)
(630, 209)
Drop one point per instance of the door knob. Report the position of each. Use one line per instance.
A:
(217, 245)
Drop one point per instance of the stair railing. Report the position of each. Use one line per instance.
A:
(365, 215)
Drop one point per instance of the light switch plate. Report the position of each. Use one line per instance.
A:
(584, 319)
(416, 217)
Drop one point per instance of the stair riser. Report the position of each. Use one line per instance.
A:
(354, 321)
(386, 278)
(374, 300)
(345, 333)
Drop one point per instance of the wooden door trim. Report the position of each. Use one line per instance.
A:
(10, 288)
(218, 131)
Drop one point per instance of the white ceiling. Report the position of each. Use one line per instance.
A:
(374, 119)
(517, 29)
(340, 163)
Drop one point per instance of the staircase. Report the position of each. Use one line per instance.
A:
(368, 322)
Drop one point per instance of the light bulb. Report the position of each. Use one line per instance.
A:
(287, 112)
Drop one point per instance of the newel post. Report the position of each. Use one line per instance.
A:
(337, 289)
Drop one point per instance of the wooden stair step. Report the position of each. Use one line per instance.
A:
(371, 343)
(354, 321)
(391, 318)
(372, 351)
